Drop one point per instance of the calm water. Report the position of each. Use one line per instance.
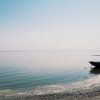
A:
(26, 70)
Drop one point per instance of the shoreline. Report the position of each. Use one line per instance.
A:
(88, 89)
(79, 95)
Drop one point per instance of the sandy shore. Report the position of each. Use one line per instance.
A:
(91, 95)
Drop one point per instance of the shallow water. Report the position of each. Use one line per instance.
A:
(30, 70)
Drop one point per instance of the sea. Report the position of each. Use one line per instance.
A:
(45, 71)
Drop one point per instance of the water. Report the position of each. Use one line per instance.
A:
(21, 71)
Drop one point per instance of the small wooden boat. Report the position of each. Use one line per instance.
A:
(96, 64)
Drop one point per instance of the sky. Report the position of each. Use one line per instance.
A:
(49, 24)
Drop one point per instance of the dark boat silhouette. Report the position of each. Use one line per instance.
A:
(96, 64)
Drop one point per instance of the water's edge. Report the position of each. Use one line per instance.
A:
(87, 87)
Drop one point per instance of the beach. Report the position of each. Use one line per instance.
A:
(93, 95)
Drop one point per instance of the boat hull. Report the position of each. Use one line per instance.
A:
(96, 64)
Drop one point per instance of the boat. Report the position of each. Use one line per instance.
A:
(96, 64)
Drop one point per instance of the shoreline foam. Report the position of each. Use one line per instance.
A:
(79, 90)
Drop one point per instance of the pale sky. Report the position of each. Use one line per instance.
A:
(49, 24)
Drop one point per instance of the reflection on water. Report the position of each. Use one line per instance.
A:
(95, 70)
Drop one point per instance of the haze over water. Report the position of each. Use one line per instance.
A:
(27, 70)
